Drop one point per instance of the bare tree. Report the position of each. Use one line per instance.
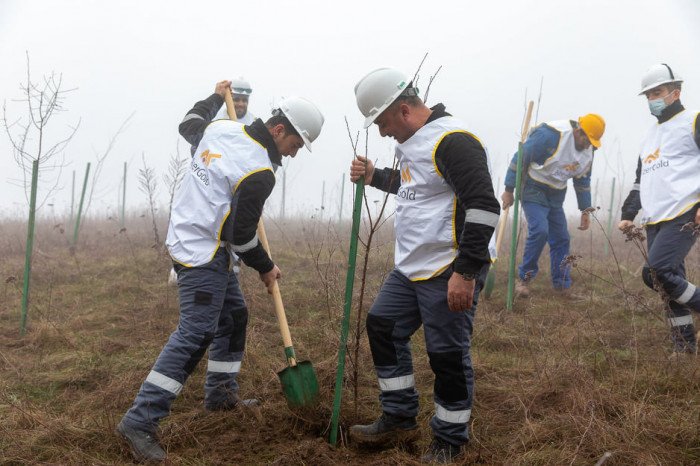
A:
(101, 157)
(28, 135)
(148, 184)
(173, 178)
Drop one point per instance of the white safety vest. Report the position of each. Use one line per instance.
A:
(426, 206)
(247, 119)
(670, 181)
(565, 163)
(225, 156)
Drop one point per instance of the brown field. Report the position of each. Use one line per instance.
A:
(557, 382)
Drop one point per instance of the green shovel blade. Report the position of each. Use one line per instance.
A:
(299, 385)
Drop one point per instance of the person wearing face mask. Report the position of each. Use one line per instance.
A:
(216, 210)
(667, 189)
(553, 153)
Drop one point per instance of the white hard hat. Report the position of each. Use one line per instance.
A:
(658, 75)
(379, 89)
(241, 86)
(304, 116)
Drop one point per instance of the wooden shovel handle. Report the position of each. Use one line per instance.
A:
(277, 298)
(276, 295)
(230, 109)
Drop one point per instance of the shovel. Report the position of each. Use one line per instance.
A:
(299, 382)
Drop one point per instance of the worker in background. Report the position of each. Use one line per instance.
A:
(667, 188)
(212, 108)
(446, 212)
(217, 208)
(553, 153)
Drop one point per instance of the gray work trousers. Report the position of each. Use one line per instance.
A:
(668, 243)
(399, 310)
(213, 315)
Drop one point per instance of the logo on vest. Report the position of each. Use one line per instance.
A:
(655, 163)
(200, 172)
(208, 156)
(572, 167)
(653, 156)
(406, 174)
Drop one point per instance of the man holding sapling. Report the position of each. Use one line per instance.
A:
(553, 153)
(667, 188)
(445, 215)
(216, 210)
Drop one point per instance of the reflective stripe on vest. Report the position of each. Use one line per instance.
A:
(670, 158)
(565, 163)
(225, 156)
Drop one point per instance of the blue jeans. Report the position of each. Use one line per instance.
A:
(213, 316)
(546, 224)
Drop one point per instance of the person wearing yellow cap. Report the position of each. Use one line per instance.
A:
(667, 188)
(553, 153)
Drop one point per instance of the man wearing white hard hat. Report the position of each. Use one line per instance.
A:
(216, 210)
(212, 108)
(667, 190)
(198, 118)
(446, 212)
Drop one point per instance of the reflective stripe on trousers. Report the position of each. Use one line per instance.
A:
(401, 307)
(213, 316)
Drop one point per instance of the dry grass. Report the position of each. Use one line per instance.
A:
(557, 382)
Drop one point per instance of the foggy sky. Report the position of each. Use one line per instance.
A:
(157, 58)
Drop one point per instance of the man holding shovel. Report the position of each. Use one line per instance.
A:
(217, 209)
(553, 153)
(198, 118)
(445, 215)
(667, 187)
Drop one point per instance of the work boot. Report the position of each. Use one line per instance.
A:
(144, 445)
(442, 452)
(387, 431)
(232, 403)
(521, 289)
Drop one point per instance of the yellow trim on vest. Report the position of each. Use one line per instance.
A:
(455, 245)
(695, 124)
(181, 263)
(556, 151)
(547, 184)
(255, 140)
(439, 271)
(235, 188)
(685, 209)
(674, 116)
(440, 141)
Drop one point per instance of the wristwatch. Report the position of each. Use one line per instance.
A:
(469, 276)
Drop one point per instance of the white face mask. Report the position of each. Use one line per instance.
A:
(657, 106)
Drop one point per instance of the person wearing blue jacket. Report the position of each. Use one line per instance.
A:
(553, 153)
